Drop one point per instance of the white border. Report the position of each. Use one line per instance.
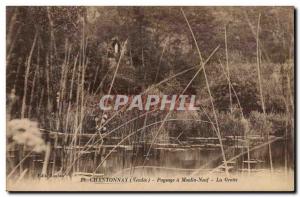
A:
(5, 3)
(153, 2)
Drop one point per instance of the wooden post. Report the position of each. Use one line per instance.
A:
(46, 160)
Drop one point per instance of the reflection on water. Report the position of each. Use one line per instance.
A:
(185, 159)
(202, 154)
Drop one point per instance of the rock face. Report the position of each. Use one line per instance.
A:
(125, 79)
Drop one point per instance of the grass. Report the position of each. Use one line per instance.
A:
(68, 100)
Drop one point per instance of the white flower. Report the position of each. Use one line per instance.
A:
(26, 132)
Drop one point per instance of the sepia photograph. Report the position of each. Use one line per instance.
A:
(150, 98)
